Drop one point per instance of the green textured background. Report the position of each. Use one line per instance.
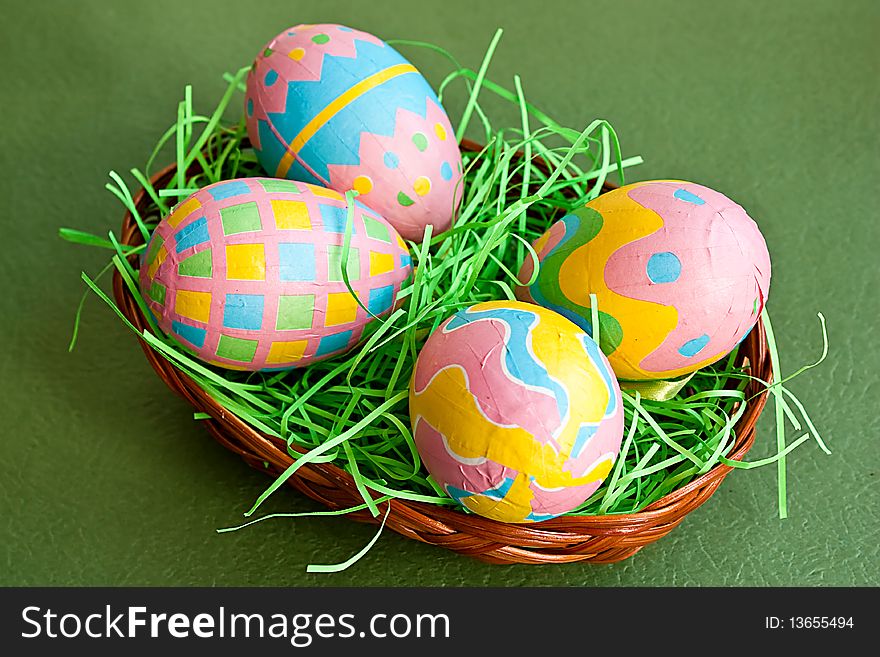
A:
(106, 479)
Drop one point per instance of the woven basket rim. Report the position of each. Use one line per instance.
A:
(598, 538)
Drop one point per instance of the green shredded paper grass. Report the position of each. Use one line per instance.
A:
(352, 410)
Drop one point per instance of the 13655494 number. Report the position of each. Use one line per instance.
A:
(820, 622)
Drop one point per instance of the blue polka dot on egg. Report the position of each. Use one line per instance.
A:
(688, 197)
(693, 347)
(391, 160)
(664, 267)
(446, 171)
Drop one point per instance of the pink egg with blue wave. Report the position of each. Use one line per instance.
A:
(340, 108)
(515, 411)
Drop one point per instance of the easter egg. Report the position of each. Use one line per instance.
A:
(680, 274)
(340, 108)
(247, 274)
(515, 411)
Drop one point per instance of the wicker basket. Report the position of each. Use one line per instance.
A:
(599, 539)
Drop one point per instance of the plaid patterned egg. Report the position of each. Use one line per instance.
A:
(247, 274)
(341, 108)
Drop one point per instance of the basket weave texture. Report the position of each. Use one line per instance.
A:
(598, 539)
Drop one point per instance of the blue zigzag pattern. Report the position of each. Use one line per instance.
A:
(338, 141)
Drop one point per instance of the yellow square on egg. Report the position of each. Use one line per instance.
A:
(194, 305)
(326, 193)
(380, 263)
(286, 352)
(341, 309)
(246, 262)
(160, 258)
(291, 215)
(183, 211)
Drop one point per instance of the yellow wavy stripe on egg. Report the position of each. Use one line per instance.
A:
(578, 267)
(510, 446)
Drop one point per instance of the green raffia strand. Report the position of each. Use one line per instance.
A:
(352, 410)
(594, 318)
(304, 514)
(779, 400)
(336, 568)
(478, 83)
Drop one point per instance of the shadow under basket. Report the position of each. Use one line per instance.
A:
(598, 539)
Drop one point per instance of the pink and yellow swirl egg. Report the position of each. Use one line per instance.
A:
(515, 411)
